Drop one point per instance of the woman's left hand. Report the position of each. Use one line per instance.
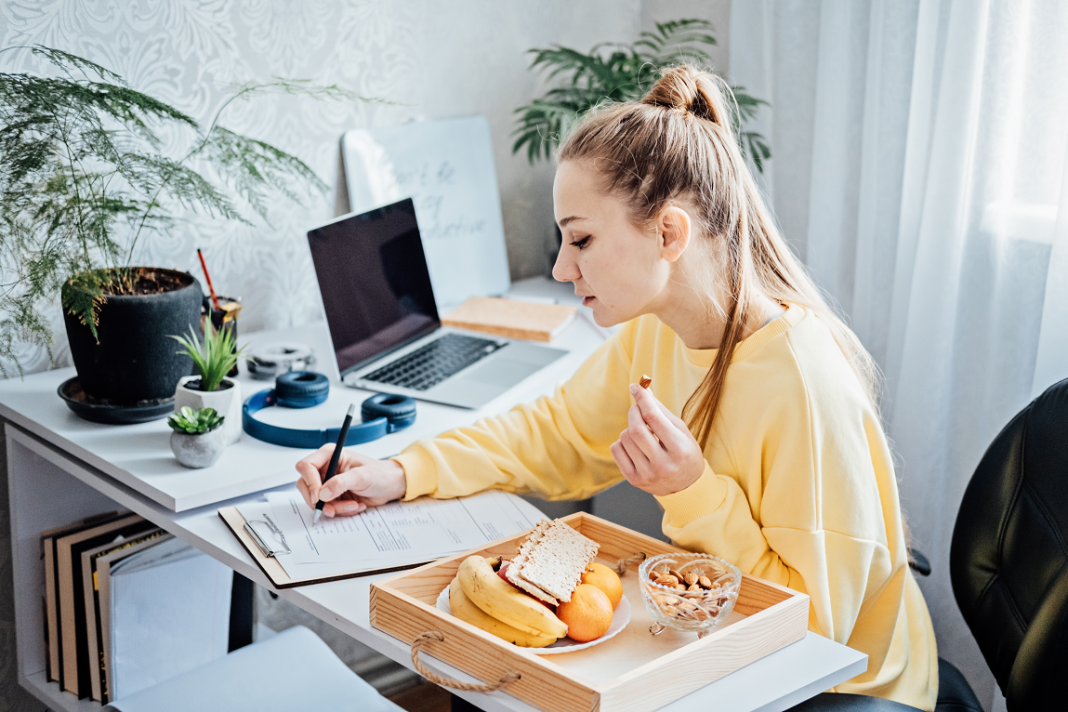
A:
(657, 453)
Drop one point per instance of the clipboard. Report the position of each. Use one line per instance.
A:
(276, 574)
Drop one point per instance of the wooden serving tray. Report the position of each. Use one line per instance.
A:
(633, 672)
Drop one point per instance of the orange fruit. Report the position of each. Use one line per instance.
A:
(605, 579)
(588, 614)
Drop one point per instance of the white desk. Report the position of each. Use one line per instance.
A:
(61, 468)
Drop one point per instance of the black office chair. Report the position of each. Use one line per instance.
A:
(1009, 567)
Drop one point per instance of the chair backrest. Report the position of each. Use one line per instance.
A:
(1009, 556)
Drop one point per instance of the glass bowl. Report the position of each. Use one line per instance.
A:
(699, 602)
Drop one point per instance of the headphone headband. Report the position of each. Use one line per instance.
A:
(382, 413)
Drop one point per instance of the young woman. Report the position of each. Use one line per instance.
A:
(759, 435)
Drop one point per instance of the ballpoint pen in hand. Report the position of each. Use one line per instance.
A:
(331, 469)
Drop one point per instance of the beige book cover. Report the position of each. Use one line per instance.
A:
(74, 658)
(511, 319)
(99, 559)
(48, 546)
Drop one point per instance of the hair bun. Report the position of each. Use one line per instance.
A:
(691, 90)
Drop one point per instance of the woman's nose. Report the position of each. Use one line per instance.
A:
(565, 269)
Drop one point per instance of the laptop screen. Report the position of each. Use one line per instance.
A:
(374, 281)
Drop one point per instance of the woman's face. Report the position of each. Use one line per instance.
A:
(616, 267)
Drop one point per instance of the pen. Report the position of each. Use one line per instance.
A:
(331, 469)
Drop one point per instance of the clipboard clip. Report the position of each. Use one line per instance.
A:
(268, 537)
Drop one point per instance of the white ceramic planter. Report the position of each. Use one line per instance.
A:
(225, 401)
(200, 450)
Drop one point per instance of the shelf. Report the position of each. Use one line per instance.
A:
(55, 698)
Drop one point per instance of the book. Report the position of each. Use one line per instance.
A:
(74, 673)
(53, 662)
(92, 560)
(510, 318)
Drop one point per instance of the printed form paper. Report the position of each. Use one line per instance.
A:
(395, 534)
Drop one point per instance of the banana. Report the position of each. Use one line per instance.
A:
(498, 598)
(465, 610)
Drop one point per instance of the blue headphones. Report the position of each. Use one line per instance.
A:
(383, 413)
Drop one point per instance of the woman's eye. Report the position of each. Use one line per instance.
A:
(581, 244)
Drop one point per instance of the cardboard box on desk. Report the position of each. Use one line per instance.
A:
(632, 672)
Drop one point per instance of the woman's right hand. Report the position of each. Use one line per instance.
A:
(360, 481)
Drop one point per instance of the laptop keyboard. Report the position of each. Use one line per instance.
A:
(428, 366)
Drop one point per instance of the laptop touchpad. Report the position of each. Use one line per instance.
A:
(500, 371)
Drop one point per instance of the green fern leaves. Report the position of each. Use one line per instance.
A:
(83, 177)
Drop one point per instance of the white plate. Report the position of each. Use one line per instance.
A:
(620, 618)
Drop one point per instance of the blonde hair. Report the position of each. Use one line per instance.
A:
(678, 144)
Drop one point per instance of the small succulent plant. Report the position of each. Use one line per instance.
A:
(195, 422)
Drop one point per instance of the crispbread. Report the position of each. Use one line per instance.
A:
(550, 561)
(512, 572)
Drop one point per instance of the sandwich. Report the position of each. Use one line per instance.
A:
(550, 562)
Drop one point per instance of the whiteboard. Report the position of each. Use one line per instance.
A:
(446, 167)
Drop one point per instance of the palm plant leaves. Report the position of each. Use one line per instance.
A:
(83, 176)
(620, 72)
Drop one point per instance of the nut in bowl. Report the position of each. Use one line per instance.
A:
(691, 592)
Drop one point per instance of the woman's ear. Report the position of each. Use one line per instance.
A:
(673, 227)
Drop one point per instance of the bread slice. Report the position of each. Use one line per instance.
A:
(550, 561)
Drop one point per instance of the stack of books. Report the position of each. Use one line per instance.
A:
(127, 605)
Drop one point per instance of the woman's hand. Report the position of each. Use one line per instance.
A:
(360, 481)
(663, 461)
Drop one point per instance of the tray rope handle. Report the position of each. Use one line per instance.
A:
(623, 564)
(423, 638)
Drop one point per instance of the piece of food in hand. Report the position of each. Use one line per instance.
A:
(464, 609)
(551, 560)
(605, 579)
(588, 614)
(497, 598)
(645, 382)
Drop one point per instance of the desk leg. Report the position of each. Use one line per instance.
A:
(459, 704)
(241, 596)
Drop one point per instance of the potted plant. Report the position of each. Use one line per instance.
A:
(86, 178)
(211, 389)
(621, 72)
(198, 438)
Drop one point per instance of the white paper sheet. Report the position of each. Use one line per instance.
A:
(170, 612)
(395, 534)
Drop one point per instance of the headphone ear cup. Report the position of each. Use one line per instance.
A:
(301, 389)
(397, 409)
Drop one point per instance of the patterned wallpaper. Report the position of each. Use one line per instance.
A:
(433, 59)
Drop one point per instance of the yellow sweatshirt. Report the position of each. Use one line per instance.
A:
(798, 486)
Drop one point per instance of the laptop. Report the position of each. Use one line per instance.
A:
(383, 319)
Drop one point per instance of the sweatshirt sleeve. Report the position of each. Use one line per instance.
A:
(819, 524)
(556, 447)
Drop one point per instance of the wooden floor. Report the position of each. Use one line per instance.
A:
(423, 697)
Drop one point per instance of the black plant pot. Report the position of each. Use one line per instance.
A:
(134, 359)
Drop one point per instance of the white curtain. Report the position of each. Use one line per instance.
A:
(919, 162)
